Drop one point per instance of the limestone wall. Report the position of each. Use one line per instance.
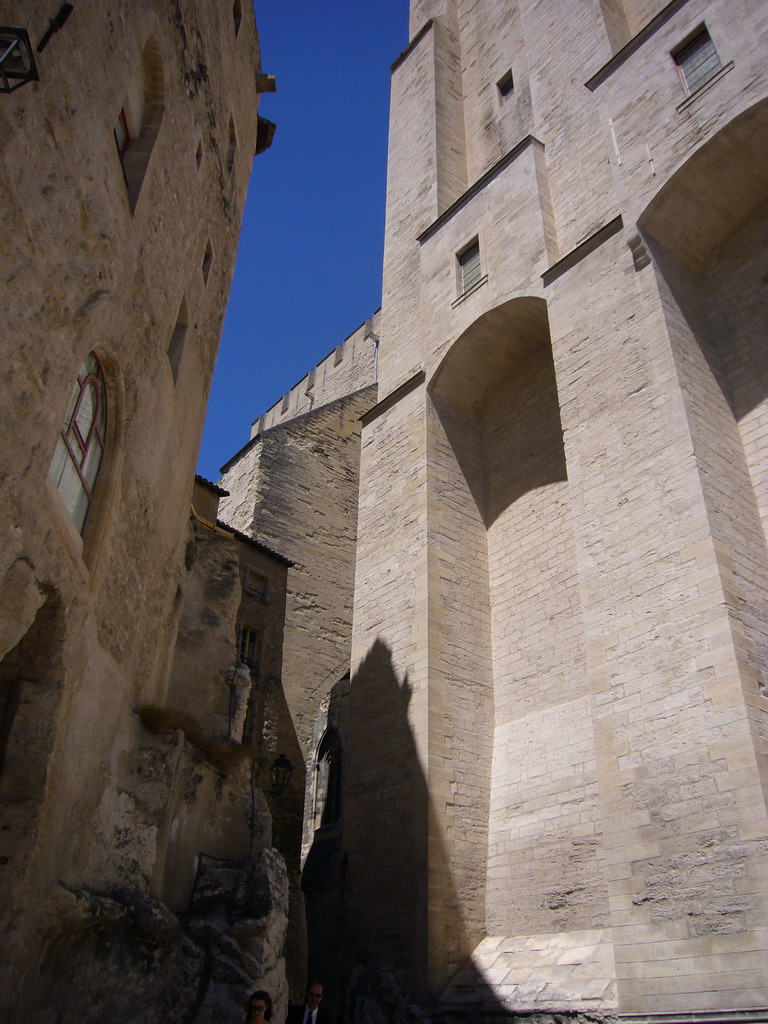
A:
(583, 574)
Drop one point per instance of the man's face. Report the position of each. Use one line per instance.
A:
(314, 995)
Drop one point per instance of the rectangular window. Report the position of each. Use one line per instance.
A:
(506, 84)
(698, 61)
(469, 266)
(256, 584)
(250, 647)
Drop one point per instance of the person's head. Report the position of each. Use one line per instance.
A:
(259, 1007)
(314, 994)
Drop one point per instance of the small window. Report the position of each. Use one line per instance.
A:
(338, 355)
(286, 400)
(506, 84)
(179, 336)
(256, 584)
(81, 442)
(698, 61)
(237, 15)
(250, 647)
(469, 266)
(199, 154)
(207, 261)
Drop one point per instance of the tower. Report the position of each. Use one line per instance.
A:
(556, 767)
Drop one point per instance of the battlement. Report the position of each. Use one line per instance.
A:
(349, 367)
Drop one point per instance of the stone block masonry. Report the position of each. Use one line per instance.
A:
(561, 541)
(554, 728)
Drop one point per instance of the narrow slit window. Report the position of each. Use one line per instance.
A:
(469, 266)
(179, 336)
(207, 261)
(122, 138)
(698, 61)
(232, 146)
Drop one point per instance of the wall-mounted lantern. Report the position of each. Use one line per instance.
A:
(280, 774)
(17, 63)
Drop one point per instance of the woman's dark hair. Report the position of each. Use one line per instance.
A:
(266, 998)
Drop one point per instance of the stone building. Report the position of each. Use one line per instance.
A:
(295, 485)
(135, 840)
(552, 748)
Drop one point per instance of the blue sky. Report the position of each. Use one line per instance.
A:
(308, 269)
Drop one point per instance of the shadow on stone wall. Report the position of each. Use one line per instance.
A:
(366, 886)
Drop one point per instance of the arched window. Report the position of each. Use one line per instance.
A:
(82, 439)
(328, 783)
(138, 122)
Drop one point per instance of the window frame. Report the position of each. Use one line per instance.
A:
(463, 287)
(75, 451)
(505, 86)
(243, 643)
(258, 593)
(699, 33)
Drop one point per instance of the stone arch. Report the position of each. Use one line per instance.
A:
(31, 685)
(505, 621)
(727, 177)
(329, 765)
(497, 352)
(710, 271)
(142, 112)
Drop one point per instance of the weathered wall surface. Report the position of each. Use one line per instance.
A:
(130, 259)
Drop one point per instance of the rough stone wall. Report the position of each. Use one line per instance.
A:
(608, 503)
(134, 263)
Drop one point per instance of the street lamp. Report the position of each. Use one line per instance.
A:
(280, 773)
(17, 63)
